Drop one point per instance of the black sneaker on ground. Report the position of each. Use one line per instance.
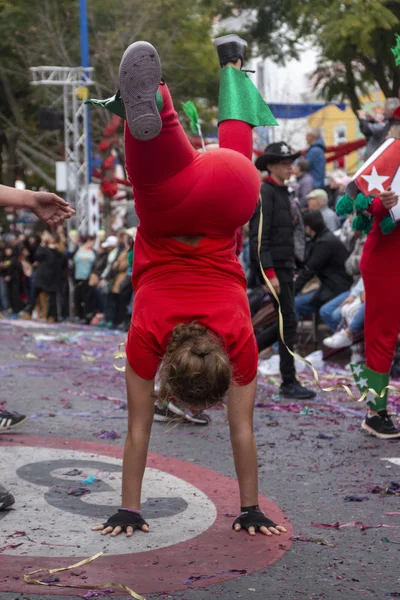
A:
(295, 391)
(6, 499)
(172, 412)
(381, 426)
(10, 420)
(139, 78)
(230, 48)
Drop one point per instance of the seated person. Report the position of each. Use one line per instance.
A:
(330, 312)
(318, 200)
(351, 314)
(325, 259)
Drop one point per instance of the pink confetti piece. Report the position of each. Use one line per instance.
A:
(359, 524)
(10, 547)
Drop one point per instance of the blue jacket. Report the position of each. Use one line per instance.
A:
(316, 157)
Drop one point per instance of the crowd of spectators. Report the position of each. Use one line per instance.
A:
(56, 277)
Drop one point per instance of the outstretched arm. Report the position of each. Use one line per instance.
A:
(240, 415)
(47, 206)
(140, 419)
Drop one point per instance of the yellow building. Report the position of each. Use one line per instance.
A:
(338, 126)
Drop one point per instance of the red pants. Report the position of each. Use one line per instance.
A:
(179, 191)
(382, 320)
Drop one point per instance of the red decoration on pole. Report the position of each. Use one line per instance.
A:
(109, 183)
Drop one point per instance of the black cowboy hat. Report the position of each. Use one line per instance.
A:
(275, 153)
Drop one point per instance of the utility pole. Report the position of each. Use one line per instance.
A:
(85, 63)
(75, 82)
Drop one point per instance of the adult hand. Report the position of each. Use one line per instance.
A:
(275, 284)
(348, 300)
(123, 520)
(50, 208)
(253, 519)
(389, 199)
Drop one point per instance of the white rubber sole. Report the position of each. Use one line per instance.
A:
(381, 436)
(139, 78)
(13, 426)
(187, 416)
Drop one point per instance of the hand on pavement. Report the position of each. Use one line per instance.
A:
(253, 519)
(123, 521)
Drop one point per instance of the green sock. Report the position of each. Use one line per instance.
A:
(115, 105)
(367, 378)
(240, 100)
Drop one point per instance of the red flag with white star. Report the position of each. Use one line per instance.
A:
(379, 172)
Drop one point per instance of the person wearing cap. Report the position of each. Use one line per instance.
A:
(318, 200)
(277, 256)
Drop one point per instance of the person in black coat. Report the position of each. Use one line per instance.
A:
(48, 272)
(11, 270)
(326, 257)
(277, 257)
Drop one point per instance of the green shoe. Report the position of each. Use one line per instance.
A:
(240, 100)
(366, 378)
(115, 105)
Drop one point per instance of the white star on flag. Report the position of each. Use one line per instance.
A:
(375, 180)
(357, 370)
(285, 149)
(363, 383)
(370, 398)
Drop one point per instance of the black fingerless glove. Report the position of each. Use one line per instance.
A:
(252, 516)
(126, 518)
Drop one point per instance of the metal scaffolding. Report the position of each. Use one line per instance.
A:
(75, 81)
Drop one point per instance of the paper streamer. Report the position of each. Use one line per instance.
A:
(338, 386)
(31, 580)
(120, 353)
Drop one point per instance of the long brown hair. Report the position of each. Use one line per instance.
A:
(196, 370)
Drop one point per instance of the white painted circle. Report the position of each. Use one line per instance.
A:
(395, 461)
(67, 534)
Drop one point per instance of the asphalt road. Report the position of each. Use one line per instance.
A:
(312, 458)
